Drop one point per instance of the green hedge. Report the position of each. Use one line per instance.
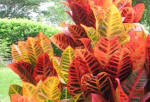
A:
(12, 30)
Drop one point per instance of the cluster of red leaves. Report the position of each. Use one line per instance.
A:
(95, 73)
(42, 69)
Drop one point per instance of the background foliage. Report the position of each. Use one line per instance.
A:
(55, 14)
(18, 29)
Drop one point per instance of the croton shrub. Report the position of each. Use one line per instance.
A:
(106, 57)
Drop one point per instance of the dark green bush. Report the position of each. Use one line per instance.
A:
(19, 29)
(4, 49)
(12, 30)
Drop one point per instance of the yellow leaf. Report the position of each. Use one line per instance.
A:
(34, 49)
(112, 23)
(50, 88)
(28, 89)
(23, 49)
(66, 59)
(45, 44)
(44, 90)
(16, 53)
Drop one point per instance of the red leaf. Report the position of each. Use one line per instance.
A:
(87, 44)
(121, 96)
(105, 48)
(77, 32)
(128, 13)
(102, 84)
(146, 98)
(62, 41)
(76, 70)
(82, 14)
(93, 65)
(43, 68)
(134, 85)
(138, 11)
(123, 3)
(24, 70)
(137, 45)
(120, 64)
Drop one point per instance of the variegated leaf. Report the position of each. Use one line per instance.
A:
(24, 70)
(112, 24)
(62, 41)
(133, 86)
(45, 44)
(43, 68)
(34, 50)
(66, 59)
(104, 49)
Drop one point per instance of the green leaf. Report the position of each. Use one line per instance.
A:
(15, 89)
(65, 94)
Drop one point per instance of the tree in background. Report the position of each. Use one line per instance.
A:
(19, 8)
(54, 13)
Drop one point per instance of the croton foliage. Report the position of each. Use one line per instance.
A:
(105, 57)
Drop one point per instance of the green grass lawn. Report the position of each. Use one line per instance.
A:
(7, 77)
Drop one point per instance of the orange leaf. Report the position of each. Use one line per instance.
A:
(18, 98)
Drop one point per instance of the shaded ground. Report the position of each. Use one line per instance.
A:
(7, 77)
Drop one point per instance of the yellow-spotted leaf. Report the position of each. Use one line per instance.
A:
(92, 34)
(66, 60)
(34, 49)
(16, 53)
(112, 23)
(50, 88)
(15, 89)
(45, 44)
(23, 48)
